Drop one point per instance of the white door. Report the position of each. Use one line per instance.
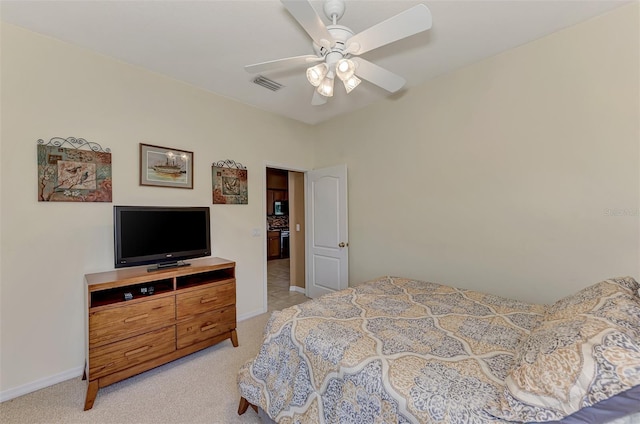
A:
(327, 236)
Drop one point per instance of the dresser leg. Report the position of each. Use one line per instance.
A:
(92, 391)
(234, 338)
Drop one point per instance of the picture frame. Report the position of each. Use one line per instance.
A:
(73, 170)
(229, 180)
(165, 167)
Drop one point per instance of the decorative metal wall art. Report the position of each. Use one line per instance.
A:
(165, 167)
(229, 183)
(80, 172)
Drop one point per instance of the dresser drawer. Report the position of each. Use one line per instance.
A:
(109, 325)
(207, 325)
(121, 355)
(207, 299)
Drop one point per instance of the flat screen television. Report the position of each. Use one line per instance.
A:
(162, 236)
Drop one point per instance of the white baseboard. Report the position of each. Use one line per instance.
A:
(297, 289)
(250, 315)
(72, 373)
(40, 384)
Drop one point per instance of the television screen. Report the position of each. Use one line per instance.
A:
(164, 236)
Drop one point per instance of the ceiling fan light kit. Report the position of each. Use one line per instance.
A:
(334, 46)
(345, 68)
(316, 74)
(351, 83)
(326, 86)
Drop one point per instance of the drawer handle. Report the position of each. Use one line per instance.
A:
(138, 350)
(209, 299)
(104, 367)
(136, 318)
(208, 327)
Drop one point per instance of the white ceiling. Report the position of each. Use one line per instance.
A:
(207, 43)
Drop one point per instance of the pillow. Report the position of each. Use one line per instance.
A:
(586, 299)
(569, 363)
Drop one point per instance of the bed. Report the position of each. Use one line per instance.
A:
(397, 350)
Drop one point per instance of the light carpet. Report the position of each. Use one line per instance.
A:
(200, 388)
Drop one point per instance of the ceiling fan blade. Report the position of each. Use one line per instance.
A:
(378, 76)
(307, 17)
(288, 62)
(318, 99)
(405, 24)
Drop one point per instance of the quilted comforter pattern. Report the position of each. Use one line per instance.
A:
(390, 350)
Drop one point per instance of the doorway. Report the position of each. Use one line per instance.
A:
(285, 241)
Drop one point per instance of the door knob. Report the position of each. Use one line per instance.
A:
(342, 244)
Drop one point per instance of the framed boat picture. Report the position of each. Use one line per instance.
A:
(165, 167)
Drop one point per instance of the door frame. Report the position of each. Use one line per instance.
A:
(263, 195)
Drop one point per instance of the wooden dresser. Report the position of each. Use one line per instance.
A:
(138, 320)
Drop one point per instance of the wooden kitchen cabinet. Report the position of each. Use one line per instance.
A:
(277, 187)
(273, 196)
(273, 244)
(277, 179)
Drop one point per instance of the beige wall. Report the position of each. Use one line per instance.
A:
(53, 89)
(504, 175)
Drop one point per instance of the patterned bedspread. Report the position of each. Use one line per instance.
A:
(390, 350)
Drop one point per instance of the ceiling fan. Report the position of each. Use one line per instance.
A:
(336, 45)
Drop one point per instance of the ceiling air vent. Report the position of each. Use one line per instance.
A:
(267, 83)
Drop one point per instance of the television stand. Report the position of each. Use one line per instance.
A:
(131, 329)
(166, 265)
